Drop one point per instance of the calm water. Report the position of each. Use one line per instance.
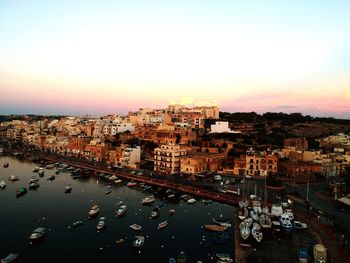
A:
(19, 216)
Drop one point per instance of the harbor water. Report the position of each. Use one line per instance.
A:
(49, 207)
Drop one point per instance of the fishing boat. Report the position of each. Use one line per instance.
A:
(256, 232)
(21, 191)
(37, 234)
(207, 201)
(136, 227)
(147, 200)
(41, 172)
(101, 224)
(13, 178)
(108, 191)
(118, 181)
(226, 259)
(243, 203)
(320, 253)
(215, 228)
(94, 211)
(2, 184)
(120, 241)
(68, 189)
(191, 200)
(51, 178)
(121, 211)
(119, 203)
(181, 257)
(171, 212)
(276, 225)
(36, 169)
(303, 254)
(10, 258)
(243, 214)
(254, 215)
(289, 213)
(299, 225)
(77, 223)
(139, 241)
(244, 231)
(172, 260)
(162, 224)
(285, 222)
(6, 164)
(34, 185)
(226, 222)
(276, 209)
(154, 213)
(265, 221)
(257, 207)
(131, 184)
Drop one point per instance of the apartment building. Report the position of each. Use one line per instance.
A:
(167, 158)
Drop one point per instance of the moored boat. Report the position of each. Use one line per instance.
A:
(121, 211)
(13, 178)
(77, 223)
(136, 227)
(285, 222)
(299, 225)
(162, 224)
(147, 200)
(139, 241)
(34, 185)
(101, 224)
(226, 222)
(108, 191)
(37, 234)
(10, 258)
(154, 213)
(215, 228)
(265, 221)
(94, 211)
(2, 184)
(131, 184)
(36, 169)
(21, 191)
(171, 212)
(191, 200)
(256, 232)
(68, 189)
(51, 178)
(6, 164)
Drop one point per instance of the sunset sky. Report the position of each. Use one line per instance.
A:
(98, 57)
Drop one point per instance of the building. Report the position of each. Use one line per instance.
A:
(131, 156)
(167, 158)
(299, 144)
(198, 162)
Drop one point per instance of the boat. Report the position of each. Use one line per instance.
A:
(119, 241)
(131, 184)
(256, 232)
(254, 215)
(171, 212)
(289, 213)
(119, 203)
(118, 181)
(184, 197)
(37, 234)
(101, 224)
(36, 169)
(172, 260)
(276, 209)
(215, 228)
(320, 253)
(226, 222)
(243, 203)
(41, 171)
(121, 211)
(77, 223)
(248, 221)
(285, 222)
(139, 241)
(6, 164)
(265, 221)
(154, 213)
(33, 179)
(276, 225)
(265, 210)
(303, 254)
(68, 189)
(299, 225)
(34, 185)
(108, 191)
(21, 191)
(191, 200)
(49, 166)
(217, 178)
(10, 258)
(51, 178)
(207, 201)
(181, 257)
(94, 211)
(2, 184)
(162, 224)
(244, 228)
(147, 200)
(257, 207)
(243, 214)
(13, 178)
(136, 227)
(76, 176)
(170, 196)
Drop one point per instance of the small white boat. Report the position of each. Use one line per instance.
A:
(121, 211)
(289, 213)
(285, 222)
(13, 178)
(257, 207)
(139, 241)
(94, 211)
(191, 200)
(67, 189)
(299, 225)
(276, 209)
(77, 223)
(36, 169)
(162, 225)
(154, 214)
(136, 227)
(147, 200)
(243, 203)
(10, 258)
(171, 212)
(265, 221)
(101, 224)
(2, 184)
(256, 232)
(244, 232)
(37, 234)
(254, 215)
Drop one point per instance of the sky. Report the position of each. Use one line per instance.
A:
(99, 57)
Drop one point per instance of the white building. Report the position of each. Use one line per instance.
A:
(130, 157)
(221, 127)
